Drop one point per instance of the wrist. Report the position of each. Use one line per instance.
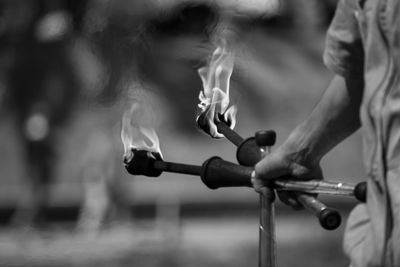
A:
(302, 147)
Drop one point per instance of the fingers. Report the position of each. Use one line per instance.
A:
(285, 197)
(276, 166)
(280, 165)
(271, 167)
(301, 172)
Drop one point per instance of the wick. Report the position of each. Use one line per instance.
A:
(221, 118)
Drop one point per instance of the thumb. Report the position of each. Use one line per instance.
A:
(258, 184)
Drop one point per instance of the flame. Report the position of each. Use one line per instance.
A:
(214, 98)
(138, 131)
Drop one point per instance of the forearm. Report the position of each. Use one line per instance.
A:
(334, 118)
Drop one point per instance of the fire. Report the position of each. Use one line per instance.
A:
(138, 130)
(214, 98)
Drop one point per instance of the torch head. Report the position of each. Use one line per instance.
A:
(203, 122)
(214, 98)
(141, 162)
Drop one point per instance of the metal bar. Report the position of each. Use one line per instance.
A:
(329, 219)
(319, 191)
(317, 187)
(316, 206)
(267, 243)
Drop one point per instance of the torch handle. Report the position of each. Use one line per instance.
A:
(177, 167)
(231, 135)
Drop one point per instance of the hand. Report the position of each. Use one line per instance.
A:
(286, 162)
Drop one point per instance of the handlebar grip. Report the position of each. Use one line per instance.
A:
(329, 219)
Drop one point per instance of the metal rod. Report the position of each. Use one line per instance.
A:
(230, 134)
(177, 167)
(316, 206)
(267, 243)
(329, 219)
(317, 187)
(318, 191)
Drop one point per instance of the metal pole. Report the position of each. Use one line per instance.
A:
(267, 244)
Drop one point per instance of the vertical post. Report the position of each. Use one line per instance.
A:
(267, 244)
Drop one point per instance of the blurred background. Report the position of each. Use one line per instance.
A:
(68, 70)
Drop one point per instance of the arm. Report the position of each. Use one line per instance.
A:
(334, 118)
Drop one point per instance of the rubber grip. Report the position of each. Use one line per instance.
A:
(360, 191)
(329, 219)
(265, 138)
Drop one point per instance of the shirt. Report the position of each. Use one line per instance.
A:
(363, 41)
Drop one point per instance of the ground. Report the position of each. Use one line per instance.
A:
(206, 242)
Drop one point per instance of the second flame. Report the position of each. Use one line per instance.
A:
(214, 98)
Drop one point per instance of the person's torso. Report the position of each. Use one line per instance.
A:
(379, 24)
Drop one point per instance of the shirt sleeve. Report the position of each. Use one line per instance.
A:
(344, 53)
